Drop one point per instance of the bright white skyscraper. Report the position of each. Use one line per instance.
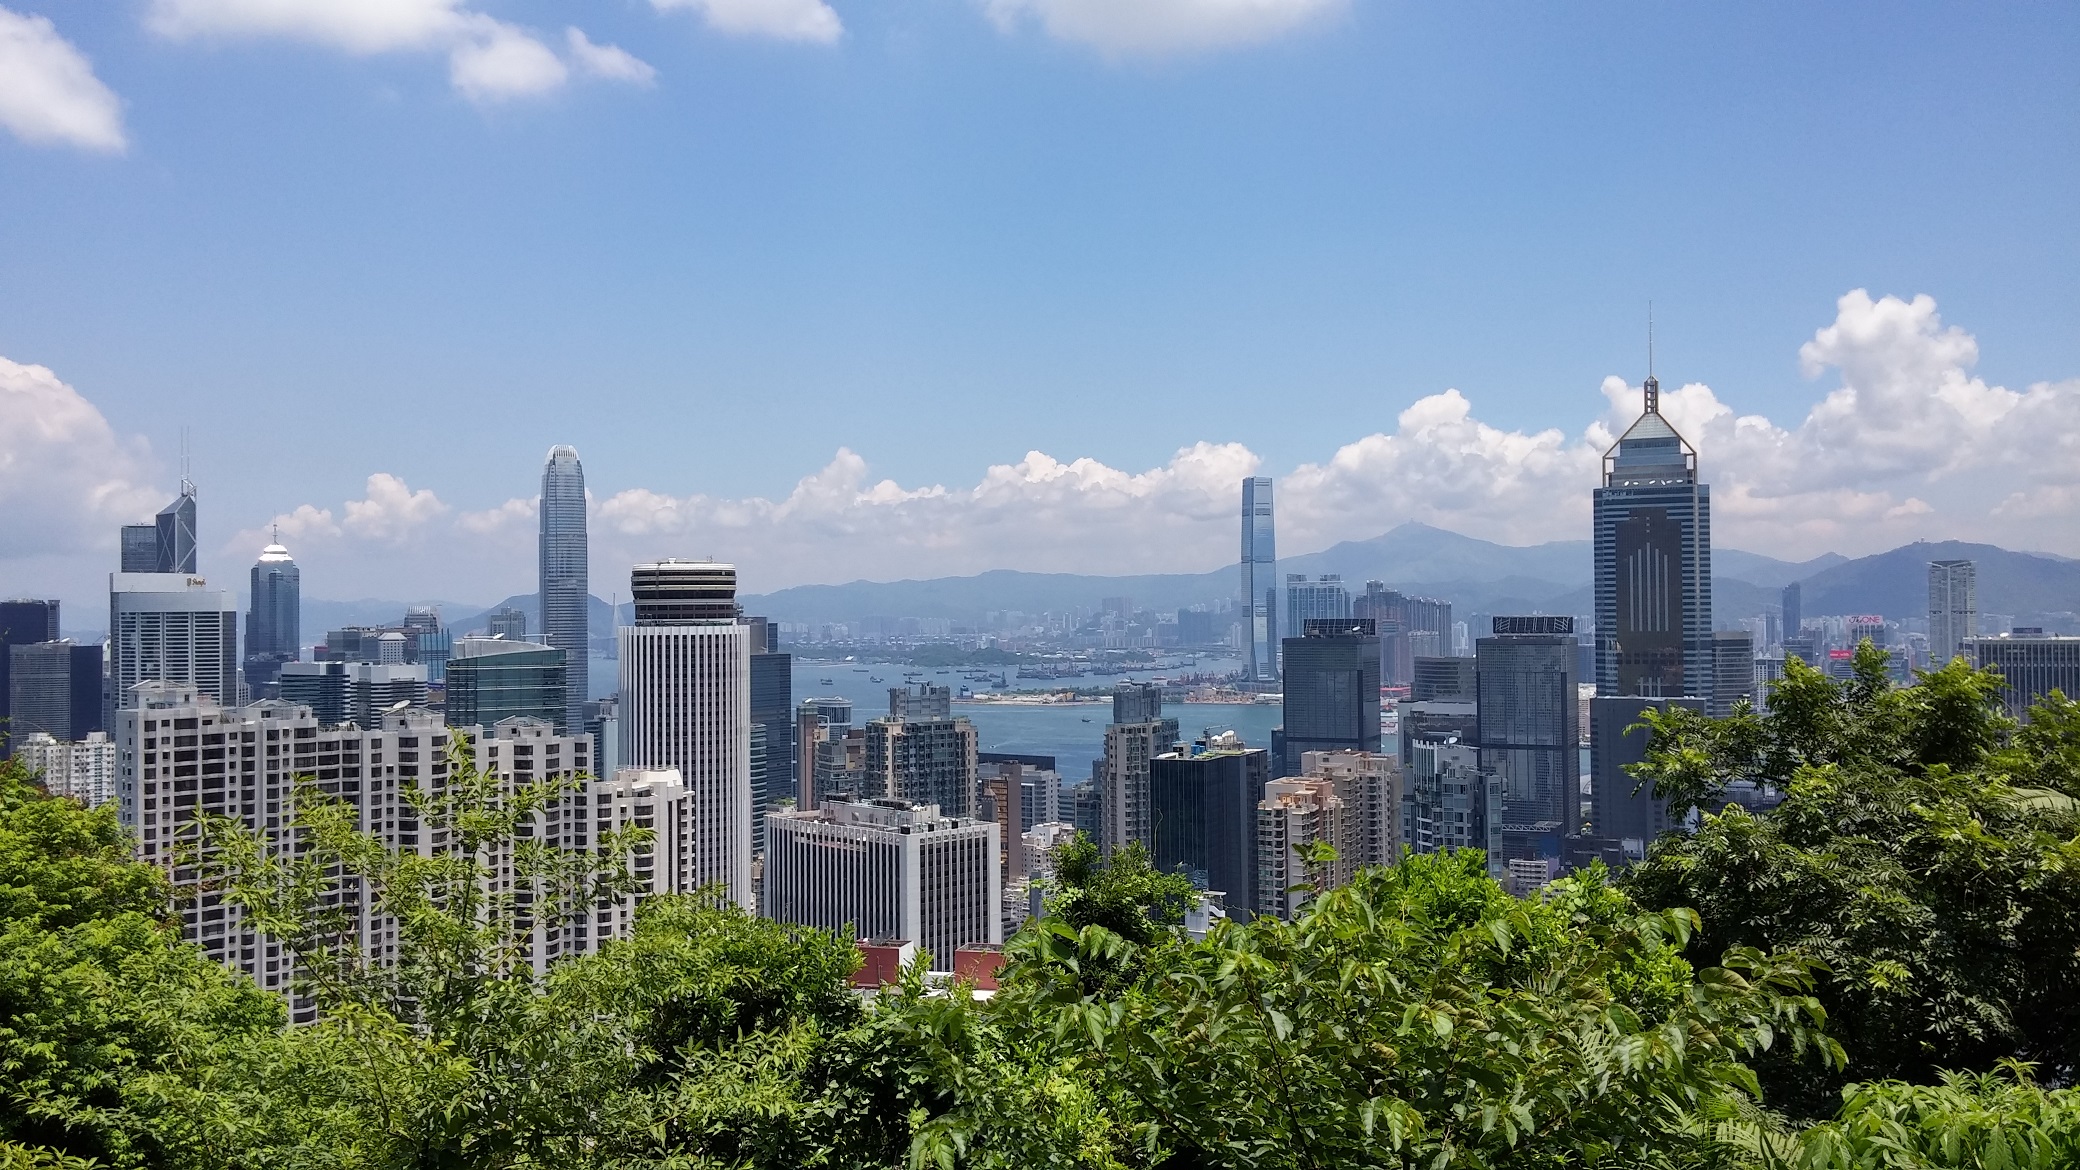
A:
(1953, 608)
(686, 704)
(1259, 581)
(564, 581)
(170, 627)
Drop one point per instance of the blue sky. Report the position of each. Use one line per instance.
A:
(941, 241)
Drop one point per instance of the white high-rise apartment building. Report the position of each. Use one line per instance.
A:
(1953, 609)
(170, 627)
(686, 704)
(84, 770)
(180, 754)
(887, 869)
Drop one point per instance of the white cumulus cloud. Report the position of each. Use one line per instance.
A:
(489, 60)
(609, 61)
(786, 20)
(1901, 442)
(1162, 27)
(67, 481)
(48, 91)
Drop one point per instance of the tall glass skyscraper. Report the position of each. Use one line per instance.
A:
(1653, 564)
(565, 585)
(274, 623)
(1259, 581)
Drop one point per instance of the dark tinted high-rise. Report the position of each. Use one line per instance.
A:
(564, 576)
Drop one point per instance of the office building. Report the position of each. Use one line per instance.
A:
(1259, 609)
(1321, 599)
(886, 869)
(1733, 671)
(23, 621)
(1331, 690)
(2031, 665)
(686, 704)
(492, 679)
(999, 801)
(1137, 734)
(1953, 609)
(821, 766)
(321, 686)
(507, 622)
(180, 755)
(52, 687)
(1409, 628)
(920, 753)
(436, 643)
(1203, 816)
(603, 724)
(1616, 742)
(170, 627)
(772, 708)
(1450, 680)
(84, 770)
(1793, 605)
(564, 578)
(1451, 802)
(274, 624)
(167, 544)
(1653, 527)
(1529, 729)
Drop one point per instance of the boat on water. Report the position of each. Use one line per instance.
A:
(875, 678)
(824, 682)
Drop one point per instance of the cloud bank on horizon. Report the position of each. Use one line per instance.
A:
(1909, 445)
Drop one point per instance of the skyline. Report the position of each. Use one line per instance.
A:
(1907, 417)
(806, 282)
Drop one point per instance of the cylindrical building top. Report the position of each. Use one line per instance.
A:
(680, 593)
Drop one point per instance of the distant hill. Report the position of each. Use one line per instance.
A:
(1476, 576)
(599, 614)
(1895, 583)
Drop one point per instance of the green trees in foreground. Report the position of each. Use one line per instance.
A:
(1738, 1001)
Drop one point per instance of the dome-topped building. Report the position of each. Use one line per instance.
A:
(274, 626)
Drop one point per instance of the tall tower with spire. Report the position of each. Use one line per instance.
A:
(274, 625)
(1653, 522)
(565, 580)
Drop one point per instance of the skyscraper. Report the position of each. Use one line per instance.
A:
(1530, 729)
(1203, 816)
(686, 704)
(1137, 734)
(494, 679)
(23, 622)
(1953, 608)
(1653, 521)
(172, 628)
(176, 525)
(1331, 691)
(1259, 581)
(1794, 610)
(564, 582)
(274, 629)
(52, 687)
(1733, 672)
(1324, 598)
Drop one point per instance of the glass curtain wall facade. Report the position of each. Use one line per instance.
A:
(1653, 525)
(564, 578)
(1259, 581)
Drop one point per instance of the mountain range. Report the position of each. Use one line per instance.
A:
(1476, 576)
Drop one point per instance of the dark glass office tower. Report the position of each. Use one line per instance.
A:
(1653, 524)
(274, 624)
(1530, 729)
(564, 580)
(1203, 816)
(176, 524)
(23, 622)
(1259, 581)
(1331, 691)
